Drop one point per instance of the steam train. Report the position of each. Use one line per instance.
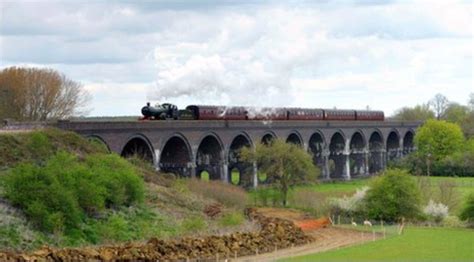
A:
(205, 112)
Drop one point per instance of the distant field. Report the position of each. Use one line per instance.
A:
(416, 244)
(465, 185)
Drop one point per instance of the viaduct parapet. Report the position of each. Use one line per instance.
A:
(342, 149)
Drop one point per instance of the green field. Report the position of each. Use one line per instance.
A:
(465, 185)
(416, 244)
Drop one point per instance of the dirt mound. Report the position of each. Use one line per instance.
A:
(274, 233)
(213, 210)
(312, 224)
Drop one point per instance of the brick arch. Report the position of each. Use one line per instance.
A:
(100, 140)
(392, 144)
(209, 156)
(295, 137)
(337, 160)
(245, 169)
(268, 136)
(376, 151)
(138, 144)
(357, 157)
(176, 155)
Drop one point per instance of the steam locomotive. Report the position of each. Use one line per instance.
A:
(205, 112)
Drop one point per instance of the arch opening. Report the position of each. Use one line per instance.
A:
(293, 138)
(97, 140)
(235, 176)
(210, 158)
(203, 175)
(336, 154)
(316, 147)
(393, 146)
(376, 153)
(408, 145)
(176, 157)
(357, 162)
(267, 139)
(244, 169)
(138, 147)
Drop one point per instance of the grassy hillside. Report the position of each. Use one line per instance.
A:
(37, 146)
(170, 207)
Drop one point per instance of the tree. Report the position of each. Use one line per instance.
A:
(467, 125)
(439, 104)
(470, 103)
(419, 112)
(392, 196)
(438, 139)
(39, 94)
(456, 113)
(284, 163)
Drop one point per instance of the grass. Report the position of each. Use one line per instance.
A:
(465, 185)
(235, 177)
(204, 176)
(416, 244)
(338, 186)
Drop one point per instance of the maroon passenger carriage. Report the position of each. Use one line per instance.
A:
(206, 112)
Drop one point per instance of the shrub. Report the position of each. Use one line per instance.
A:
(467, 212)
(267, 196)
(392, 196)
(452, 221)
(226, 194)
(193, 224)
(349, 206)
(232, 219)
(310, 201)
(436, 211)
(63, 192)
(448, 194)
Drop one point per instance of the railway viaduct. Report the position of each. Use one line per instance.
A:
(342, 149)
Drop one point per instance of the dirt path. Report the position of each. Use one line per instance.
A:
(326, 238)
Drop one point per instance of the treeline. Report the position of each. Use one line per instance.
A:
(441, 108)
(442, 150)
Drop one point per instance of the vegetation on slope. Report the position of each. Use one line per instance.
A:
(61, 190)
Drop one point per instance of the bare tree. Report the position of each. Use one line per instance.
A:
(39, 94)
(470, 103)
(439, 103)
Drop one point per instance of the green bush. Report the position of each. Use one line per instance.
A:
(38, 146)
(467, 212)
(392, 196)
(268, 196)
(193, 224)
(232, 219)
(58, 196)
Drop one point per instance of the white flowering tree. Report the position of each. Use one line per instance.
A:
(436, 211)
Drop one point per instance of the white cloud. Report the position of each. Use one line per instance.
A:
(382, 54)
(297, 57)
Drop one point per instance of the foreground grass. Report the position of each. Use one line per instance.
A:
(416, 244)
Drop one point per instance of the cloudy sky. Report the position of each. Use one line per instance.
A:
(344, 54)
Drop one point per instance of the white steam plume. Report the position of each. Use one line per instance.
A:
(246, 61)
